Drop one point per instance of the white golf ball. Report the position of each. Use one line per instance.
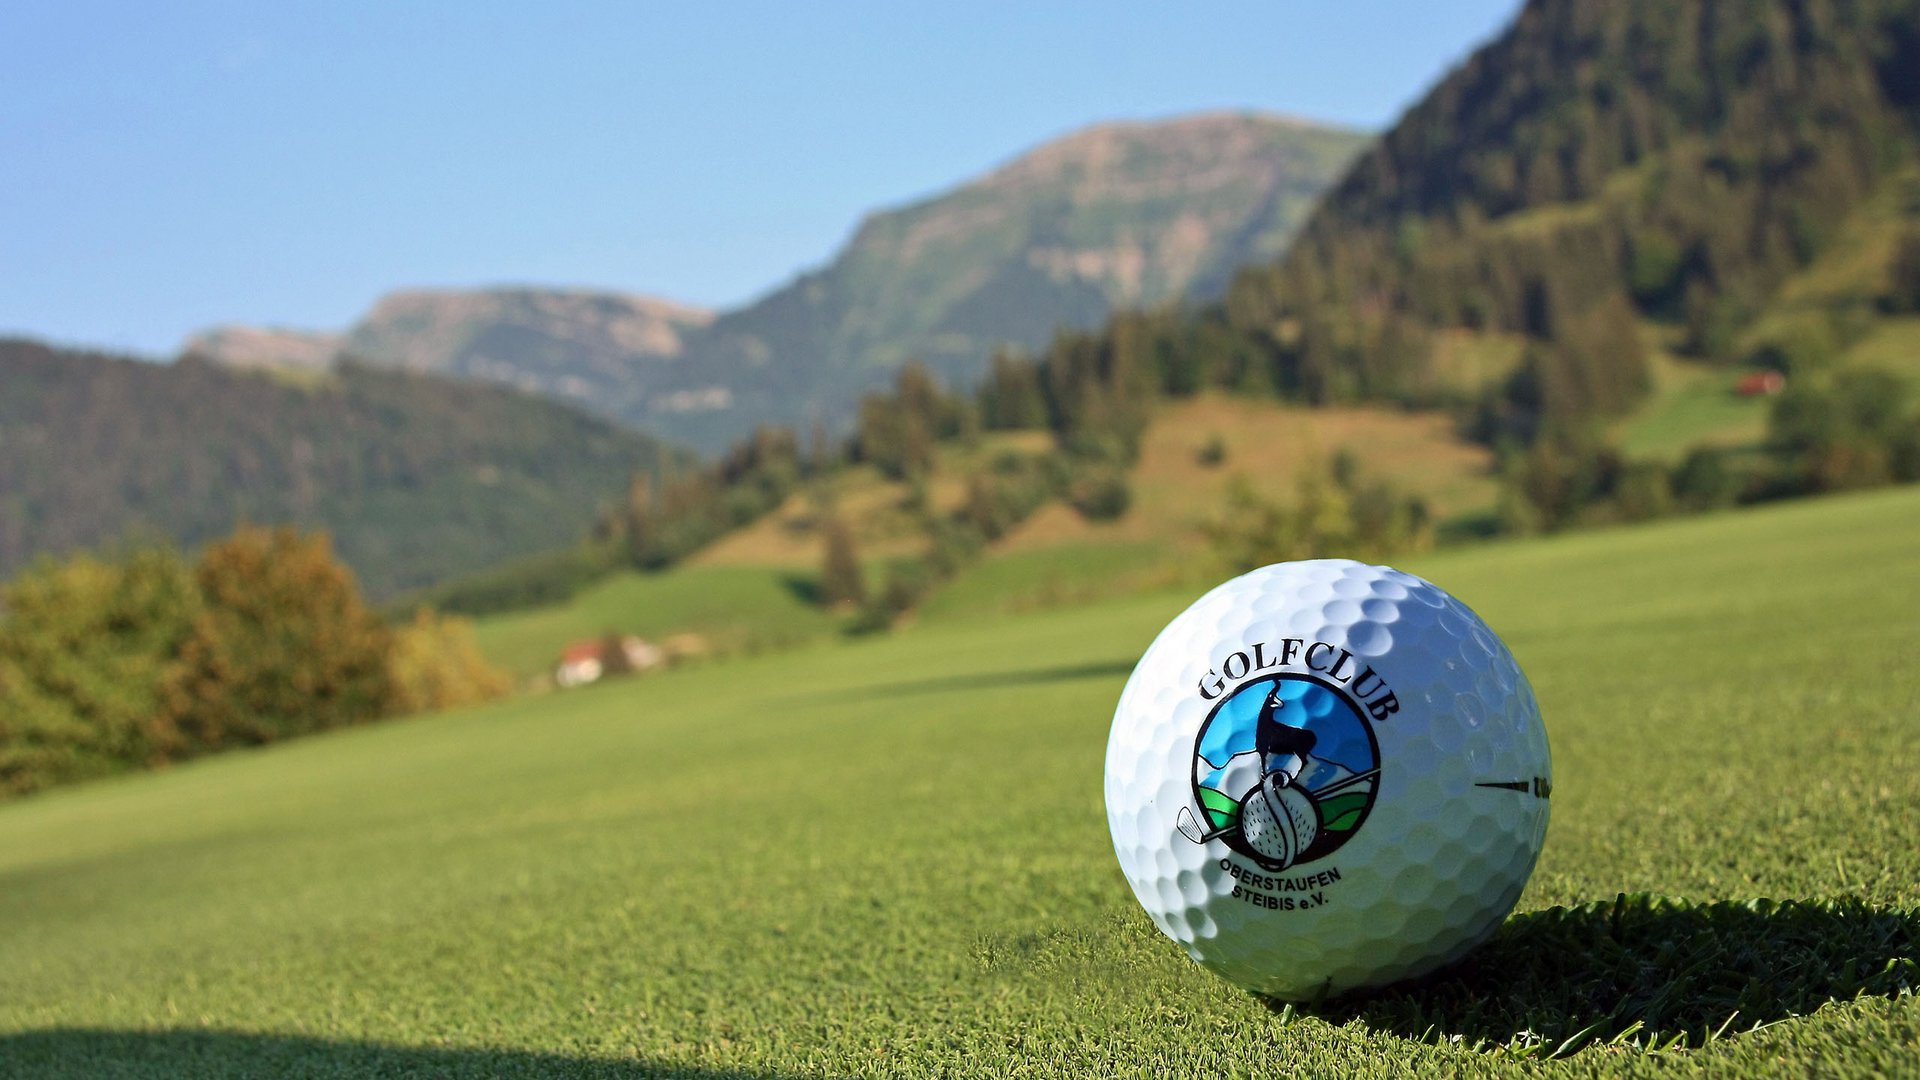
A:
(1326, 775)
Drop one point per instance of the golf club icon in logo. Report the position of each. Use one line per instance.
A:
(1284, 772)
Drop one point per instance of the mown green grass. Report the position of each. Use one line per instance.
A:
(1693, 404)
(1893, 346)
(1032, 579)
(890, 857)
(737, 608)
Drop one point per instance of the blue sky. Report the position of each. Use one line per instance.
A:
(168, 166)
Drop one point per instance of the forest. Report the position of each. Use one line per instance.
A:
(416, 478)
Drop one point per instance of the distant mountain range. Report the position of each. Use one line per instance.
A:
(417, 478)
(1112, 216)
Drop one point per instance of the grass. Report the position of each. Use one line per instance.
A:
(874, 508)
(735, 608)
(1893, 346)
(1270, 444)
(1692, 404)
(1032, 579)
(890, 857)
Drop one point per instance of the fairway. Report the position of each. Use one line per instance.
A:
(890, 857)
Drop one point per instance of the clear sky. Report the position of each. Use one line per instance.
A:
(165, 166)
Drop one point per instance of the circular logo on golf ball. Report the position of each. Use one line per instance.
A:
(1284, 771)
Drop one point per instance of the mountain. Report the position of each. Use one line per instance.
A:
(590, 347)
(1116, 215)
(417, 478)
(1113, 216)
(1599, 179)
(240, 346)
(576, 345)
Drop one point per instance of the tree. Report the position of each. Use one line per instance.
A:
(1903, 293)
(283, 646)
(841, 581)
(1844, 435)
(1010, 399)
(893, 440)
(642, 526)
(982, 510)
(85, 648)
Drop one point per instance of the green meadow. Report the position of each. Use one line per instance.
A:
(733, 608)
(889, 856)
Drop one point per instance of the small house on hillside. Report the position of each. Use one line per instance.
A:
(579, 664)
(1760, 384)
(624, 654)
(639, 654)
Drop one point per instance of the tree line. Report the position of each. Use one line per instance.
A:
(142, 658)
(416, 479)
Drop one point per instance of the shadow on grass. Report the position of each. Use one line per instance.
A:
(1651, 971)
(219, 1055)
(803, 587)
(988, 680)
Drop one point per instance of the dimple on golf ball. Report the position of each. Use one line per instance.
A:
(1325, 776)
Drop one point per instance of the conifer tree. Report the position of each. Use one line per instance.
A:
(841, 581)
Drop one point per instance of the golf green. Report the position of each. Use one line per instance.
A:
(890, 857)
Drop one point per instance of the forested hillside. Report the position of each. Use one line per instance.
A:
(1597, 168)
(417, 479)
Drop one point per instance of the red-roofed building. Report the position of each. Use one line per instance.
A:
(579, 664)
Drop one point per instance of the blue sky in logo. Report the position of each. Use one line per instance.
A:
(1341, 734)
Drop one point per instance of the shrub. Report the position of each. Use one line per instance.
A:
(1212, 453)
(84, 650)
(1799, 347)
(283, 646)
(842, 582)
(1099, 491)
(1704, 481)
(437, 665)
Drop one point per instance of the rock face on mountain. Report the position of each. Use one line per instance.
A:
(1112, 216)
(590, 347)
(265, 347)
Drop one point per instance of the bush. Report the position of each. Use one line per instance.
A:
(1644, 492)
(1099, 491)
(1705, 481)
(1903, 290)
(111, 664)
(1332, 513)
(84, 649)
(1800, 347)
(907, 582)
(437, 665)
(1212, 453)
(283, 646)
(1845, 435)
(842, 582)
(536, 581)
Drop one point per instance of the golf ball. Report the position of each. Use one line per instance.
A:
(1324, 776)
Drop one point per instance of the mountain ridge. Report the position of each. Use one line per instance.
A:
(1113, 215)
(417, 478)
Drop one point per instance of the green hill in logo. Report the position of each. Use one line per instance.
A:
(1221, 809)
(1340, 813)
